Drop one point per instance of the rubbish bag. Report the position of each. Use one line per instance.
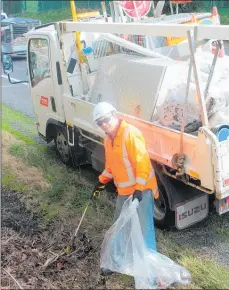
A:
(124, 251)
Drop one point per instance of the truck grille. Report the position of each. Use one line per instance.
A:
(19, 30)
(5, 36)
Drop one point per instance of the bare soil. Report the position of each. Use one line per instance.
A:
(27, 244)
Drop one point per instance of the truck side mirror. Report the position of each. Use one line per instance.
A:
(8, 67)
(7, 64)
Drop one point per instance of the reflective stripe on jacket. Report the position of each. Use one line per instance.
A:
(127, 162)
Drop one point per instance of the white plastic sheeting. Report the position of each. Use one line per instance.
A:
(124, 251)
(171, 103)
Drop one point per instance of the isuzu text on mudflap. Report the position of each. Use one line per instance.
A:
(174, 99)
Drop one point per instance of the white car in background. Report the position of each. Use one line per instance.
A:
(3, 15)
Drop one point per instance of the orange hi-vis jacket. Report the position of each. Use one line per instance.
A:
(127, 162)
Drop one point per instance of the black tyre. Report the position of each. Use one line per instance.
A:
(63, 150)
(69, 155)
(164, 217)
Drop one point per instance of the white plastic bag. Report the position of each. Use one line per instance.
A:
(124, 251)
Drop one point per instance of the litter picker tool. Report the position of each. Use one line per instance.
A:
(81, 220)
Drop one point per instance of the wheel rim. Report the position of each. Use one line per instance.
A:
(159, 207)
(62, 145)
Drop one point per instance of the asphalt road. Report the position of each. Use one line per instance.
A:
(17, 96)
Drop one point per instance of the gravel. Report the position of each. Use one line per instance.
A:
(209, 238)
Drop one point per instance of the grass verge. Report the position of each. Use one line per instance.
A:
(205, 272)
(18, 125)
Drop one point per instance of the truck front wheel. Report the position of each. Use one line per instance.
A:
(164, 217)
(63, 149)
(69, 155)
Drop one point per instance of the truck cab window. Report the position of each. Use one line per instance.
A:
(39, 64)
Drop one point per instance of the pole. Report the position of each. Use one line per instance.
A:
(121, 14)
(211, 72)
(116, 11)
(153, 8)
(82, 217)
(78, 43)
(171, 7)
(201, 101)
(112, 11)
(136, 10)
(103, 4)
(132, 46)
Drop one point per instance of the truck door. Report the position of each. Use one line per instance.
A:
(42, 83)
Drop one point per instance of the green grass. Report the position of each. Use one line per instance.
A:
(51, 15)
(223, 232)
(69, 190)
(49, 212)
(225, 19)
(205, 273)
(16, 150)
(17, 134)
(10, 182)
(223, 12)
(68, 193)
(18, 125)
(16, 116)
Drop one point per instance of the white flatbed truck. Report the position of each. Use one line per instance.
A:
(65, 85)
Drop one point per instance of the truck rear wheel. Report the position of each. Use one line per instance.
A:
(164, 217)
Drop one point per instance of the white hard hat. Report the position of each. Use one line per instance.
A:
(101, 110)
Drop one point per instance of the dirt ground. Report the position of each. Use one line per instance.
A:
(27, 244)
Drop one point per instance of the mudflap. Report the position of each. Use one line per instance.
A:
(222, 205)
(191, 211)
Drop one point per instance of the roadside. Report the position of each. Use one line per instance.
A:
(29, 243)
(42, 202)
(17, 96)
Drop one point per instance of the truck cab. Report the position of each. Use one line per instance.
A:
(45, 84)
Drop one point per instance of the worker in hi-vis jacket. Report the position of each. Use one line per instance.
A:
(127, 162)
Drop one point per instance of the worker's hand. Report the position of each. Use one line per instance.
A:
(97, 190)
(137, 194)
